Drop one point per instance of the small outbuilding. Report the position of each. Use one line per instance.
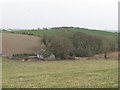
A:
(50, 57)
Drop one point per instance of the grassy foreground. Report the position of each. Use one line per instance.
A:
(60, 74)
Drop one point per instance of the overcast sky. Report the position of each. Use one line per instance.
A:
(97, 14)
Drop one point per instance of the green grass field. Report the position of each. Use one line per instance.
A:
(112, 35)
(60, 74)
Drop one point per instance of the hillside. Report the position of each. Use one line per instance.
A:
(26, 41)
(111, 35)
(17, 43)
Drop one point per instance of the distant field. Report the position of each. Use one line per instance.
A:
(112, 35)
(17, 43)
(60, 74)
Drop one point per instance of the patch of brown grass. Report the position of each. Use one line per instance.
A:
(111, 55)
(18, 43)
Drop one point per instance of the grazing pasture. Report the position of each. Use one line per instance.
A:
(60, 74)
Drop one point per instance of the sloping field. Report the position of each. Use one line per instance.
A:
(17, 43)
(111, 35)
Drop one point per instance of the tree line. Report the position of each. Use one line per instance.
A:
(78, 44)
